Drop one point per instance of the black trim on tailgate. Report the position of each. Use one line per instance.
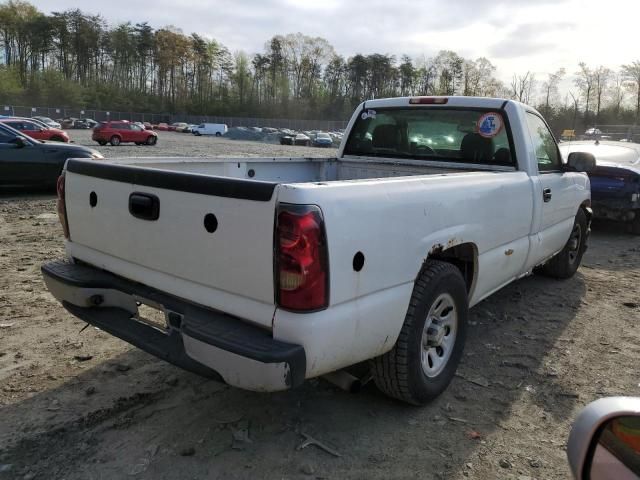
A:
(172, 180)
(212, 327)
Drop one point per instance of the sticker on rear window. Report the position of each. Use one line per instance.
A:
(368, 114)
(490, 124)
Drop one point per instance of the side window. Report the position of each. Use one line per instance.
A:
(544, 145)
(16, 125)
(6, 137)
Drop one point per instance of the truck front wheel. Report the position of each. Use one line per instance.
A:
(566, 263)
(429, 347)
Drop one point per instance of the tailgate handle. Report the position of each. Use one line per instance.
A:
(144, 206)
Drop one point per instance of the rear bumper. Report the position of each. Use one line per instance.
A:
(198, 339)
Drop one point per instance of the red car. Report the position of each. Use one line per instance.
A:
(116, 133)
(36, 130)
(161, 126)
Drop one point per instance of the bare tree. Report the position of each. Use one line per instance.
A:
(617, 92)
(576, 101)
(585, 83)
(631, 73)
(601, 77)
(522, 87)
(550, 88)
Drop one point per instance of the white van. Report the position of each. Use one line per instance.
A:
(216, 129)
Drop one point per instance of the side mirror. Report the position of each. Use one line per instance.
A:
(581, 162)
(21, 142)
(605, 440)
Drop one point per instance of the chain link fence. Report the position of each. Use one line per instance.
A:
(630, 133)
(155, 118)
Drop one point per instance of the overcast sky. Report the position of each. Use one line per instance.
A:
(516, 35)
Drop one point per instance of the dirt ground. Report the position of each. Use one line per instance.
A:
(79, 404)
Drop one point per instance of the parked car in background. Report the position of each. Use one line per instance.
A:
(593, 132)
(615, 183)
(302, 139)
(122, 131)
(47, 121)
(191, 128)
(85, 123)
(35, 130)
(78, 123)
(147, 126)
(163, 127)
(217, 129)
(26, 162)
(287, 139)
(323, 140)
(177, 127)
(67, 122)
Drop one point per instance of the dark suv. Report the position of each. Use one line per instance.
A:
(28, 162)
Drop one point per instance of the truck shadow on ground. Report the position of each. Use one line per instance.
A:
(151, 420)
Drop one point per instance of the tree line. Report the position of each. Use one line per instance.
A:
(77, 59)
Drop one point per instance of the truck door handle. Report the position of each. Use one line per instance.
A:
(144, 206)
(546, 194)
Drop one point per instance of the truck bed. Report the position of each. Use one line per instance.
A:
(302, 169)
(222, 209)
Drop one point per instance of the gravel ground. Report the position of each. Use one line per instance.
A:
(79, 404)
(172, 144)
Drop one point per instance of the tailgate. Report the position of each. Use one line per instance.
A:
(211, 243)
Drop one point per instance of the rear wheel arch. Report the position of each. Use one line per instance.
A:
(464, 256)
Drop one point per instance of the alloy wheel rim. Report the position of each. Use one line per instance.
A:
(439, 335)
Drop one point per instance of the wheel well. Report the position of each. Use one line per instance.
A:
(586, 206)
(464, 256)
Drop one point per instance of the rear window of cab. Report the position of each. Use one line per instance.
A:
(433, 133)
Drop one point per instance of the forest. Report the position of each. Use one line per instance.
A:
(77, 59)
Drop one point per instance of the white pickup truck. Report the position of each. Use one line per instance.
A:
(270, 271)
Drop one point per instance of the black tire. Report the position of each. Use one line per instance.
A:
(57, 139)
(566, 263)
(634, 227)
(115, 141)
(400, 373)
(152, 140)
(102, 143)
(218, 134)
(138, 143)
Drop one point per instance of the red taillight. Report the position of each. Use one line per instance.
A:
(61, 205)
(428, 100)
(301, 259)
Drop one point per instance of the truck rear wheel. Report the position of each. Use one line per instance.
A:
(566, 263)
(424, 359)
